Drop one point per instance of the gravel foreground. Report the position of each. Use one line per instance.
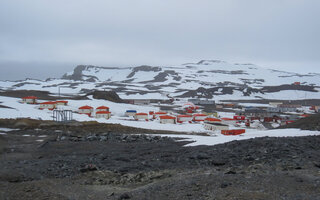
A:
(70, 163)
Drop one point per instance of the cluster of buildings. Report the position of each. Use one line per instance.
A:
(209, 122)
(166, 118)
(50, 105)
(276, 112)
(100, 112)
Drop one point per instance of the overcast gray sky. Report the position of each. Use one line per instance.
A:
(44, 38)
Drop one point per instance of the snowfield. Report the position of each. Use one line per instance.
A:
(117, 109)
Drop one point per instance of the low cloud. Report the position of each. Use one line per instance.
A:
(128, 33)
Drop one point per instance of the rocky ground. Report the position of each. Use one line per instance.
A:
(74, 162)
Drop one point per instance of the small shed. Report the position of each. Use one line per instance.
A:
(50, 105)
(103, 114)
(102, 108)
(199, 117)
(184, 118)
(130, 113)
(61, 103)
(29, 100)
(141, 116)
(85, 110)
(166, 119)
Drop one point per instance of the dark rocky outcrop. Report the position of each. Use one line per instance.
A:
(106, 95)
(309, 123)
(202, 92)
(77, 73)
(279, 88)
(144, 68)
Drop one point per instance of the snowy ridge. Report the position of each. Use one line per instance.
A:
(211, 79)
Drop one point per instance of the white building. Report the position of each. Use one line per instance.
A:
(85, 110)
(158, 114)
(29, 100)
(184, 118)
(131, 113)
(141, 116)
(212, 126)
(50, 105)
(61, 103)
(202, 101)
(229, 121)
(103, 114)
(199, 117)
(166, 119)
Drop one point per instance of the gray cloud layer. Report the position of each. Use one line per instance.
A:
(53, 36)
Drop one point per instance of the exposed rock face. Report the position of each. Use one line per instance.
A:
(309, 123)
(77, 73)
(145, 68)
(245, 89)
(106, 95)
(209, 93)
(288, 87)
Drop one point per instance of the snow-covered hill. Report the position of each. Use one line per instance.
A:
(211, 79)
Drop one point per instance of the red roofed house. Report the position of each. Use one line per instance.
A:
(199, 117)
(85, 110)
(143, 116)
(103, 114)
(184, 118)
(157, 114)
(62, 103)
(166, 119)
(29, 99)
(50, 105)
(102, 108)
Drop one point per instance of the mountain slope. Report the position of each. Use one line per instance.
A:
(205, 79)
